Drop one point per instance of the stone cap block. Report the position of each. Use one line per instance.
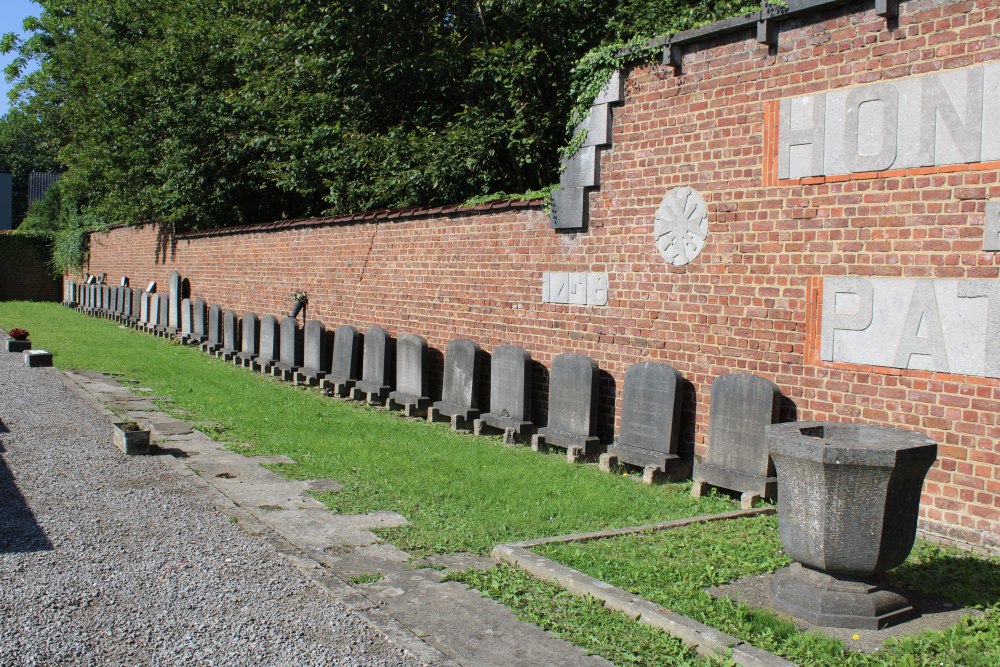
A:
(849, 444)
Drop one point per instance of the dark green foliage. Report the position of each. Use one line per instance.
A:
(22, 151)
(203, 113)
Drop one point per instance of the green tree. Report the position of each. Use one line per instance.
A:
(203, 113)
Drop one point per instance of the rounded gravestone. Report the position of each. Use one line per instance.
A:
(681, 226)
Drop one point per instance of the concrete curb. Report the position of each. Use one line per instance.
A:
(705, 639)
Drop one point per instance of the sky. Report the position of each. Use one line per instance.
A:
(12, 15)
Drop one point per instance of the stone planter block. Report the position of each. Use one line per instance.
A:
(18, 345)
(37, 359)
(847, 512)
(131, 439)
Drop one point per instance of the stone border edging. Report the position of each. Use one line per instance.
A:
(705, 639)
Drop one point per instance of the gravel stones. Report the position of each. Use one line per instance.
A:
(106, 559)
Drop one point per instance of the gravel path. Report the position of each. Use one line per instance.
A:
(107, 560)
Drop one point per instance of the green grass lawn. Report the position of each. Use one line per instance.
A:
(459, 492)
(673, 567)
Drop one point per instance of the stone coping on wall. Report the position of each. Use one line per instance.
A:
(378, 215)
(705, 639)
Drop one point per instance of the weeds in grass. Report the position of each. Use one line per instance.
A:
(361, 579)
(673, 567)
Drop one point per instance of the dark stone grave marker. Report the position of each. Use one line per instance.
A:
(174, 305)
(230, 336)
(269, 349)
(346, 361)
(154, 312)
(315, 354)
(186, 324)
(128, 304)
(460, 393)
(213, 337)
(572, 407)
(378, 369)
(510, 393)
(291, 350)
(161, 328)
(649, 422)
(144, 303)
(742, 407)
(250, 341)
(411, 392)
(199, 325)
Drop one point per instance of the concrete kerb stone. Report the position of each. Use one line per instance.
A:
(705, 639)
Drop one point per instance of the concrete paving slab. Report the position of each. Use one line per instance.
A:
(460, 622)
(324, 485)
(273, 460)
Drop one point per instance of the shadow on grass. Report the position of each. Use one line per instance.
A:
(965, 580)
(19, 532)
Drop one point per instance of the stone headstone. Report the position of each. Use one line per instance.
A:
(144, 303)
(510, 392)
(742, 407)
(572, 406)
(346, 360)
(199, 323)
(213, 337)
(315, 355)
(174, 306)
(105, 298)
(411, 375)
(649, 418)
(269, 349)
(154, 311)
(378, 369)
(250, 340)
(460, 392)
(135, 297)
(230, 335)
(164, 313)
(291, 349)
(186, 325)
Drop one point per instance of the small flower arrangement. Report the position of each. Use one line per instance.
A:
(18, 334)
(302, 297)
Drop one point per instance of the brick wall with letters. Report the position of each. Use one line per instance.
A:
(750, 302)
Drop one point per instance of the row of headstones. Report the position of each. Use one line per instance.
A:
(377, 369)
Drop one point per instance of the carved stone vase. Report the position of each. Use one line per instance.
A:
(848, 496)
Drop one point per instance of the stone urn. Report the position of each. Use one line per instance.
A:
(848, 496)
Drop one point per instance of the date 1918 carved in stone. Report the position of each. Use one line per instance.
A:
(681, 226)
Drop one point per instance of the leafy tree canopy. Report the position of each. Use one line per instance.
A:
(205, 113)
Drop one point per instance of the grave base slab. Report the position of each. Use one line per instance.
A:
(840, 602)
(547, 437)
(490, 423)
(339, 387)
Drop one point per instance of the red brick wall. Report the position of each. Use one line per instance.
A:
(750, 300)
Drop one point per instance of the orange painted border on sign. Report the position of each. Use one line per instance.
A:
(813, 338)
(771, 130)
